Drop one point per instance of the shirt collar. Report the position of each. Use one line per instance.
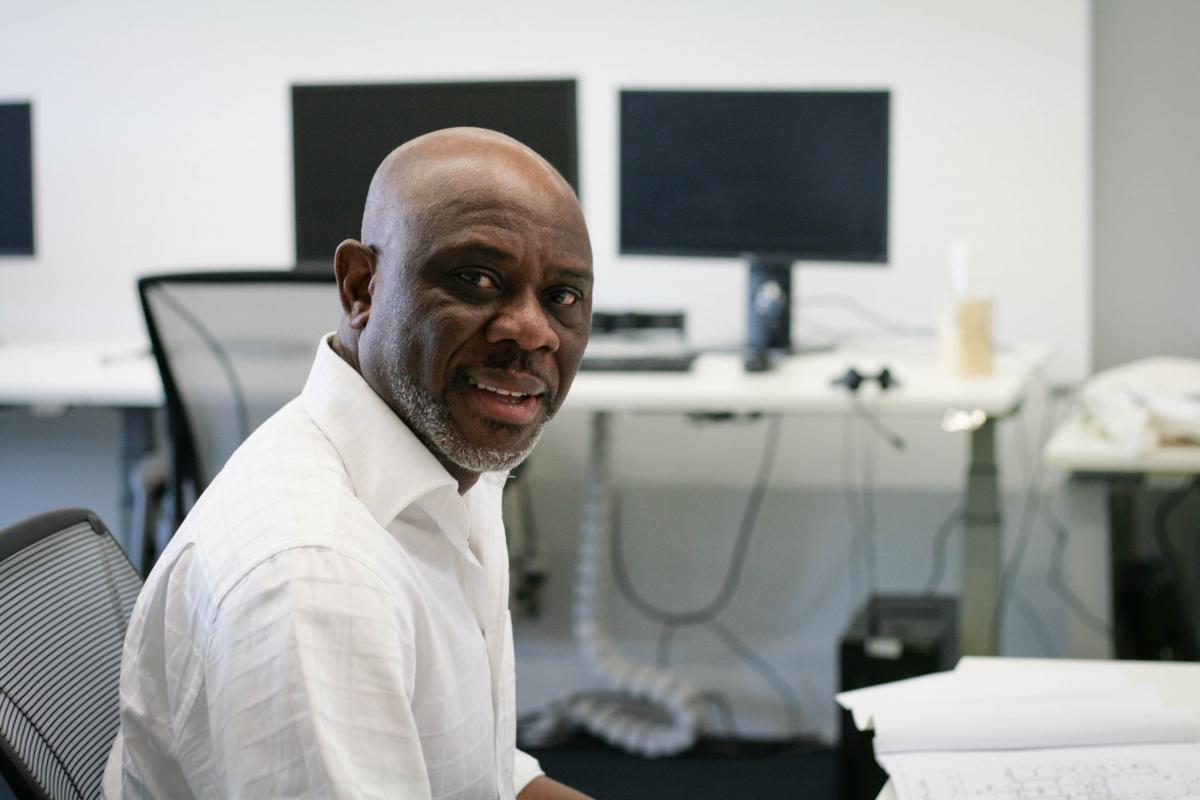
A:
(389, 467)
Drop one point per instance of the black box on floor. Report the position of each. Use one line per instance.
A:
(892, 637)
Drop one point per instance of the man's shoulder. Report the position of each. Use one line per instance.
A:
(285, 488)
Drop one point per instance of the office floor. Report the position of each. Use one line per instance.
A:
(712, 770)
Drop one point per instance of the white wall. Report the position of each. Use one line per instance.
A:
(1146, 166)
(162, 137)
(162, 141)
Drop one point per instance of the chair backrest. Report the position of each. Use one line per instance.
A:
(232, 348)
(67, 591)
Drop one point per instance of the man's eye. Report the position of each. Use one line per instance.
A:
(563, 296)
(477, 278)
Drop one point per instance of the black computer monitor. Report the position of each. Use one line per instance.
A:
(342, 132)
(770, 176)
(16, 179)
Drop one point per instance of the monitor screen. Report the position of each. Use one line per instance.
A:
(341, 133)
(783, 174)
(16, 179)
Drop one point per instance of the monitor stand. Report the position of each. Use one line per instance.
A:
(769, 314)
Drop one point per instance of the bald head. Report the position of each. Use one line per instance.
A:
(468, 301)
(452, 167)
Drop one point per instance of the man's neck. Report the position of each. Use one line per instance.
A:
(464, 478)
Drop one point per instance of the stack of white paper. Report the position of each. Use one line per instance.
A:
(1060, 732)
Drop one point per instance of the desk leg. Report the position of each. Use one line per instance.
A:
(1122, 529)
(142, 478)
(978, 635)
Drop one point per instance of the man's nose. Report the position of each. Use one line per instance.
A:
(524, 320)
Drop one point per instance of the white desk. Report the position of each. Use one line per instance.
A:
(1077, 449)
(50, 377)
(803, 384)
(1073, 447)
(121, 374)
(1177, 684)
(102, 373)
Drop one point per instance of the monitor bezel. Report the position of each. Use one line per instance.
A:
(569, 86)
(773, 255)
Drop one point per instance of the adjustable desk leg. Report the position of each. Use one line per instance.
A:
(978, 633)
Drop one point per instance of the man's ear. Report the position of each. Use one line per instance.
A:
(354, 265)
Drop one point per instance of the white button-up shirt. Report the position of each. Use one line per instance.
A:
(330, 621)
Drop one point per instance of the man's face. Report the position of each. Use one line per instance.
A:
(480, 312)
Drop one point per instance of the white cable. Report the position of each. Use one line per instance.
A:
(656, 713)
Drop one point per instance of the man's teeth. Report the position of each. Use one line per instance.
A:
(497, 390)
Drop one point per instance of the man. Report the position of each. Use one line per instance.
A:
(330, 620)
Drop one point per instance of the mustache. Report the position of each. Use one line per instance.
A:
(515, 360)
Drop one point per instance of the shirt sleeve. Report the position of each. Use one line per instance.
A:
(525, 769)
(309, 680)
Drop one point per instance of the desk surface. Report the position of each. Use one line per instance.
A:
(122, 373)
(804, 383)
(1177, 683)
(109, 373)
(1076, 448)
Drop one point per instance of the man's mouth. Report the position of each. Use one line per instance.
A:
(514, 400)
(502, 392)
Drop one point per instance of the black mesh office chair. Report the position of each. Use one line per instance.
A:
(67, 591)
(232, 348)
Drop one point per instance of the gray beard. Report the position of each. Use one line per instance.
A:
(431, 421)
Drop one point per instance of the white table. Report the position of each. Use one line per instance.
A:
(50, 377)
(1177, 684)
(104, 373)
(803, 384)
(1076, 448)
(121, 374)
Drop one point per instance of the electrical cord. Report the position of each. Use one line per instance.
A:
(941, 540)
(1029, 512)
(763, 668)
(1036, 624)
(725, 709)
(868, 315)
(1059, 585)
(1055, 578)
(733, 573)
(706, 615)
(870, 528)
(851, 495)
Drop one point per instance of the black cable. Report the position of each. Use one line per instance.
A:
(1029, 512)
(664, 646)
(880, 321)
(941, 539)
(870, 561)
(1058, 584)
(1055, 573)
(737, 560)
(1036, 624)
(872, 420)
(724, 708)
(853, 499)
(760, 665)
(707, 614)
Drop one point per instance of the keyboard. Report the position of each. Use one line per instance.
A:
(674, 362)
